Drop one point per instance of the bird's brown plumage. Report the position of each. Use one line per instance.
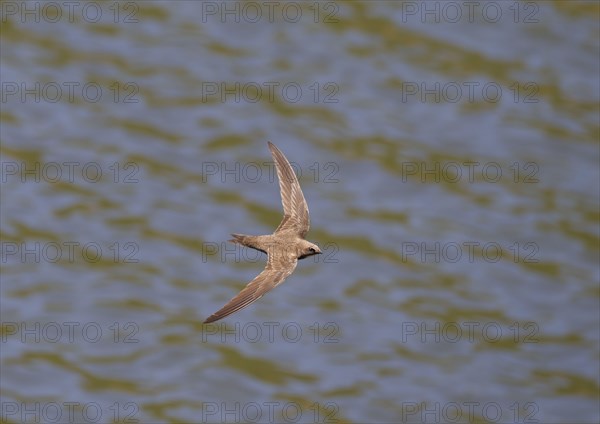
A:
(295, 209)
(284, 247)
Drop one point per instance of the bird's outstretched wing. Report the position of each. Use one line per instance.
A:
(277, 270)
(295, 209)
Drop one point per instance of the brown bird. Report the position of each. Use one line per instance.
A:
(284, 247)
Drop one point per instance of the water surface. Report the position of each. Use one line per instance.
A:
(451, 170)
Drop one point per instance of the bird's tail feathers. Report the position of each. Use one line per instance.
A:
(239, 238)
(249, 241)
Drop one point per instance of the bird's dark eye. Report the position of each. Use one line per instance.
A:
(312, 249)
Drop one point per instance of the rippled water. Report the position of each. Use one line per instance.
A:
(449, 157)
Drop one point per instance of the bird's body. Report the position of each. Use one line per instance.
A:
(284, 247)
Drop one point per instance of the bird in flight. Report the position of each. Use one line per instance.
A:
(283, 248)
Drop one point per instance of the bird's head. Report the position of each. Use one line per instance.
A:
(309, 249)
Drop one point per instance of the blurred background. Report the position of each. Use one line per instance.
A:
(449, 155)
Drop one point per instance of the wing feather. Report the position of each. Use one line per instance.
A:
(273, 275)
(295, 209)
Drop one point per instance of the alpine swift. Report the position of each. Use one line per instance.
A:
(283, 248)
